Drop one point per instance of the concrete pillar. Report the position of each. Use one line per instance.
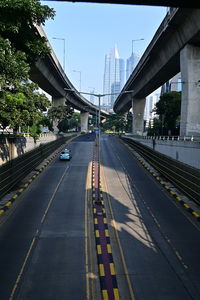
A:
(138, 106)
(84, 121)
(190, 102)
(56, 101)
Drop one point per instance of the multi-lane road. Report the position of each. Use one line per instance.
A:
(47, 238)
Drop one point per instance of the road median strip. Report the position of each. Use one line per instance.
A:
(107, 274)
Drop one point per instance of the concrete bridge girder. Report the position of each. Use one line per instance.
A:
(190, 102)
(138, 106)
(56, 101)
(166, 56)
(84, 121)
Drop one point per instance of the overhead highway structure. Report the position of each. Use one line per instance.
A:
(174, 48)
(50, 76)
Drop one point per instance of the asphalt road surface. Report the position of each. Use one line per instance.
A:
(47, 249)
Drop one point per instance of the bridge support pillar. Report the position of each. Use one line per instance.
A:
(190, 103)
(138, 106)
(57, 102)
(84, 121)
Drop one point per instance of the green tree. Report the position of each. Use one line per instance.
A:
(168, 109)
(74, 121)
(21, 104)
(116, 122)
(59, 114)
(17, 23)
(22, 108)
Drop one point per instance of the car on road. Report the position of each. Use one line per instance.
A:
(65, 154)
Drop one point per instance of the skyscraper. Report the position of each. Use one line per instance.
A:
(113, 77)
(131, 63)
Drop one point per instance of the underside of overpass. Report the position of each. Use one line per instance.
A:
(167, 3)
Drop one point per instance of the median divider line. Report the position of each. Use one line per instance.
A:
(107, 274)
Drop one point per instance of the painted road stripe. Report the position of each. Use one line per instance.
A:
(101, 270)
(99, 249)
(109, 248)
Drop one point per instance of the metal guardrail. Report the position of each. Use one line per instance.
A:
(182, 176)
(12, 172)
(171, 138)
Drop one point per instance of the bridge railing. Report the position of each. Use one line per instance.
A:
(182, 176)
(168, 138)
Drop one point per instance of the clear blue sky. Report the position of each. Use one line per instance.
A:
(91, 30)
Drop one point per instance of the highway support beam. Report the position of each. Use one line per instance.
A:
(84, 121)
(56, 101)
(190, 102)
(138, 106)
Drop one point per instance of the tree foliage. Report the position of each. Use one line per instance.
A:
(169, 108)
(21, 104)
(116, 122)
(61, 114)
(24, 107)
(17, 23)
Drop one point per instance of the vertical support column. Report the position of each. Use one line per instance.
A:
(138, 106)
(56, 102)
(84, 121)
(190, 102)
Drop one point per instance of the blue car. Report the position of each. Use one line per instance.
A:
(65, 154)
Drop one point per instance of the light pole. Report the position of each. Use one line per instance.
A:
(62, 39)
(136, 41)
(99, 96)
(79, 78)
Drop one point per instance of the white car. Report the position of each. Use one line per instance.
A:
(65, 154)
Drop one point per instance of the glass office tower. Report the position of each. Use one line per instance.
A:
(113, 77)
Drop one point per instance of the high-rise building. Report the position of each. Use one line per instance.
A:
(174, 84)
(151, 101)
(131, 63)
(113, 77)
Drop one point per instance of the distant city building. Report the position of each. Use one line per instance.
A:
(151, 101)
(174, 84)
(113, 77)
(131, 63)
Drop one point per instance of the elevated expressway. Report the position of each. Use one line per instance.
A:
(174, 48)
(49, 75)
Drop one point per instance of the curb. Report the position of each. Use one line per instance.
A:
(171, 189)
(28, 181)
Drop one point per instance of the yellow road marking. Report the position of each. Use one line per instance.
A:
(105, 295)
(99, 249)
(132, 297)
(112, 269)
(101, 270)
(109, 248)
(195, 214)
(116, 294)
(106, 233)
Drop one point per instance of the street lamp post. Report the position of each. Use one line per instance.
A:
(79, 79)
(99, 96)
(136, 41)
(62, 39)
